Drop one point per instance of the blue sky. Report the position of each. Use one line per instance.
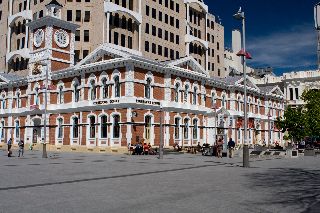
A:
(279, 33)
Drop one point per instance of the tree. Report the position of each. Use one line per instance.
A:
(293, 121)
(312, 112)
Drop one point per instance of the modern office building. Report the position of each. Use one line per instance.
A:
(161, 30)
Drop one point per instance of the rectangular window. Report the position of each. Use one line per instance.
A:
(116, 38)
(177, 39)
(87, 16)
(104, 127)
(172, 21)
(147, 28)
(123, 40)
(69, 15)
(146, 46)
(166, 35)
(177, 23)
(154, 31)
(147, 10)
(177, 8)
(159, 50)
(154, 13)
(160, 16)
(166, 18)
(166, 52)
(77, 35)
(291, 93)
(160, 33)
(154, 48)
(85, 53)
(78, 15)
(129, 42)
(86, 36)
(297, 93)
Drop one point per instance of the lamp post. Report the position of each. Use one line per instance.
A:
(240, 16)
(44, 145)
(317, 26)
(161, 135)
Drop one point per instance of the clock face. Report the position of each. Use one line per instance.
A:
(38, 38)
(61, 38)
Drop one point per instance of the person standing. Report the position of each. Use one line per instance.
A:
(9, 143)
(21, 148)
(231, 146)
(219, 147)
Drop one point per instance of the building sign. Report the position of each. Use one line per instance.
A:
(105, 102)
(142, 101)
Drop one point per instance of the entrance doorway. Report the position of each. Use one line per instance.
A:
(36, 131)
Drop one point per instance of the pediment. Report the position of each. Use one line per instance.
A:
(249, 84)
(102, 53)
(276, 91)
(223, 111)
(188, 63)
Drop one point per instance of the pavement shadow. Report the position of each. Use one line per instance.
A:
(288, 187)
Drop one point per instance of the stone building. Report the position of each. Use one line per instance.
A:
(156, 29)
(115, 97)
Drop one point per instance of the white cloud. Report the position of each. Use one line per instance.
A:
(293, 48)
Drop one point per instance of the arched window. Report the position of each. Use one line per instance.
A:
(60, 95)
(92, 127)
(104, 126)
(186, 93)
(92, 90)
(17, 129)
(104, 88)
(147, 89)
(239, 104)
(116, 87)
(75, 127)
(116, 126)
(176, 92)
(36, 99)
(60, 128)
(195, 129)
(186, 129)
(195, 96)
(177, 128)
(2, 130)
(18, 100)
(3, 104)
(147, 127)
(76, 92)
(213, 100)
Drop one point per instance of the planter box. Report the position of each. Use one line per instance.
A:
(310, 152)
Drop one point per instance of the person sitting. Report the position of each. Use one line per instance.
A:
(145, 149)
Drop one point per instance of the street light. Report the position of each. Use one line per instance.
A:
(44, 147)
(240, 16)
(317, 26)
(161, 135)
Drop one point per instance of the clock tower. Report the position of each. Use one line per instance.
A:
(52, 41)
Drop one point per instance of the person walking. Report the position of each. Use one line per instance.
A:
(21, 148)
(219, 148)
(231, 146)
(9, 143)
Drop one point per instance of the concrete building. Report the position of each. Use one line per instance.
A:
(156, 29)
(232, 62)
(293, 84)
(115, 97)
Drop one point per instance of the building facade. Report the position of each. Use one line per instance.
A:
(293, 84)
(156, 29)
(115, 97)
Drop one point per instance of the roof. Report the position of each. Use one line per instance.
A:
(266, 89)
(10, 77)
(54, 2)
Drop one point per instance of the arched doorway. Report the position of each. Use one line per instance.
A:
(36, 130)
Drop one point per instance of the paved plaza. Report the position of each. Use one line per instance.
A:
(87, 182)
